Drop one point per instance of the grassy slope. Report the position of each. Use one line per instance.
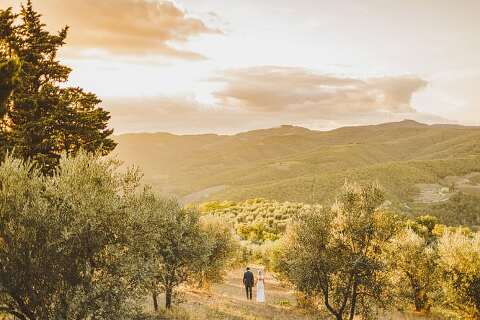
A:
(297, 164)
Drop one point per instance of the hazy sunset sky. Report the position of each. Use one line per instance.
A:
(196, 66)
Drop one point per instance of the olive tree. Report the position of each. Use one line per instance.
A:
(174, 246)
(460, 265)
(221, 247)
(335, 253)
(64, 240)
(414, 272)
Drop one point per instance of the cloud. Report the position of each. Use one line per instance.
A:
(294, 90)
(186, 116)
(264, 97)
(177, 115)
(126, 27)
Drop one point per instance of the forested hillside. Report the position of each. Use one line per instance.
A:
(409, 159)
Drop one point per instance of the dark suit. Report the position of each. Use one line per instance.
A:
(248, 282)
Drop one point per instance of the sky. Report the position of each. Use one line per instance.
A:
(225, 66)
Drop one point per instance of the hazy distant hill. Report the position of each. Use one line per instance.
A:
(296, 164)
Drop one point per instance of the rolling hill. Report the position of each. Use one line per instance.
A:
(291, 163)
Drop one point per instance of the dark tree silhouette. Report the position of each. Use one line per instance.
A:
(42, 117)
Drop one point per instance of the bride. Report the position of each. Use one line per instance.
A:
(261, 287)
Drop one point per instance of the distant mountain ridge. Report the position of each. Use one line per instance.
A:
(298, 164)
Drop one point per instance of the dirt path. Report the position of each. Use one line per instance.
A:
(227, 301)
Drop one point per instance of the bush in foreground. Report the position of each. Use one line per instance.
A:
(460, 264)
(64, 240)
(413, 270)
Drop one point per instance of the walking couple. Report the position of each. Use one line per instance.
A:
(249, 283)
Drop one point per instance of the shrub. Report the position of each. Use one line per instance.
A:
(460, 265)
(173, 245)
(413, 270)
(65, 240)
(257, 220)
(220, 250)
(336, 254)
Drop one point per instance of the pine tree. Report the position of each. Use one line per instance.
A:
(44, 118)
(8, 78)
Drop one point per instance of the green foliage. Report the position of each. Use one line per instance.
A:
(413, 269)
(425, 226)
(87, 243)
(398, 178)
(257, 220)
(221, 247)
(336, 253)
(264, 254)
(214, 206)
(461, 209)
(173, 244)
(299, 165)
(427, 222)
(64, 240)
(460, 265)
(46, 118)
(270, 254)
(9, 70)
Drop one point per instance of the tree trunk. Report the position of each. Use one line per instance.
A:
(338, 315)
(155, 300)
(353, 303)
(420, 300)
(168, 298)
(418, 305)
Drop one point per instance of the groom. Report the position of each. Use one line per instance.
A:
(248, 282)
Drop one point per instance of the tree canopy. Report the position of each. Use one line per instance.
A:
(42, 116)
(174, 244)
(64, 240)
(336, 253)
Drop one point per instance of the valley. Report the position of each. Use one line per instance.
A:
(415, 163)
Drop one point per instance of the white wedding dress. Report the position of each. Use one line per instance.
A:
(261, 290)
